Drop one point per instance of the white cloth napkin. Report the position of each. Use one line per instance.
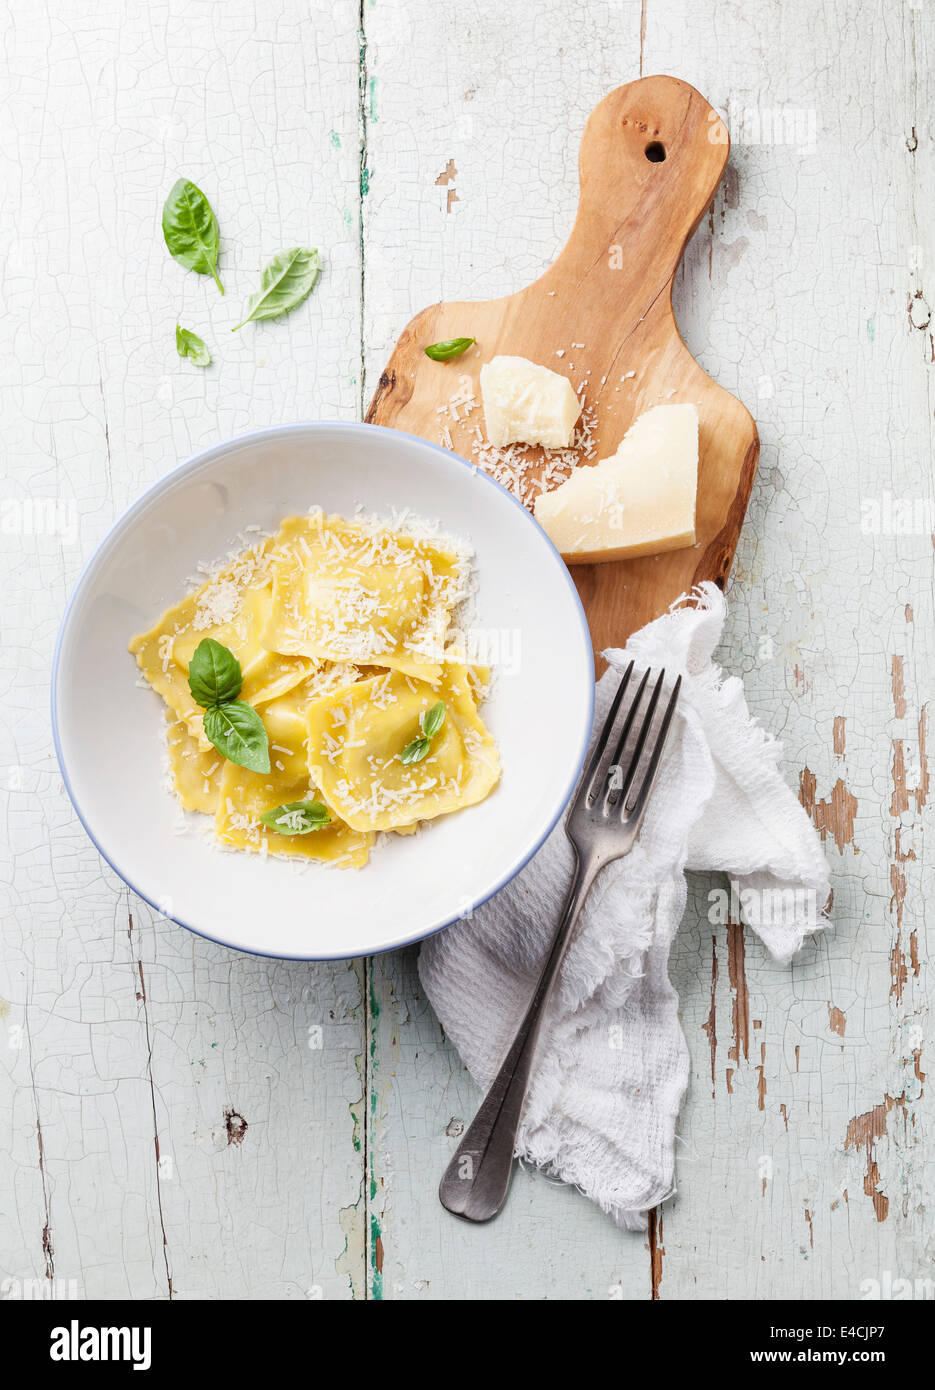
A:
(613, 1064)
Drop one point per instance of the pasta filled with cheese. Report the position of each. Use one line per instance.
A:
(341, 630)
(354, 741)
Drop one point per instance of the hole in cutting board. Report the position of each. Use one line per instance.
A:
(655, 152)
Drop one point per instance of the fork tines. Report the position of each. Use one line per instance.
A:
(609, 785)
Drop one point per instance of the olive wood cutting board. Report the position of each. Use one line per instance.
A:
(652, 156)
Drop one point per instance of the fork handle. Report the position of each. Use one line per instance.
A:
(477, 1179)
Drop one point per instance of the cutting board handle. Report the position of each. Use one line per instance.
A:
(652, 155)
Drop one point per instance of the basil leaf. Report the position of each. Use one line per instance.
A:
(214, 674)
(237, 731)
(415, 751)
(188, 344)
(434, 719)
(297, 818)
(451, 347)
(285, 282)
(191, 230)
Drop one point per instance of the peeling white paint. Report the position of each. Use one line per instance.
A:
(794, 295)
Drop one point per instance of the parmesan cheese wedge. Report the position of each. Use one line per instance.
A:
(525, 403)
(639, 501)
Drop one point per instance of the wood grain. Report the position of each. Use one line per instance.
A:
(652, 156)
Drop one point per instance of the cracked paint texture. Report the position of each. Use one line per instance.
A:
(187, 1122)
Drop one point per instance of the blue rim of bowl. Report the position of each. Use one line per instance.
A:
(206, 456)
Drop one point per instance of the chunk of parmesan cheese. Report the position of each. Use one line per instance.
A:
(640, 501)
(525, 403)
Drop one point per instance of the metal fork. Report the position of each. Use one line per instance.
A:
(602, 825)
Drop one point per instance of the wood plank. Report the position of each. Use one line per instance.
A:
(803, 1139)
(445, 92)
(549, 1241)
(151, 1035)
(794, 295)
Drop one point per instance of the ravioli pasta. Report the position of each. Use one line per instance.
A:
(343, 633)
(344, 594)
(234, 608)
(355, 736)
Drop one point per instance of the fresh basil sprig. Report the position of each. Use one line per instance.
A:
(418, 748)
(297, 818)
(237, 731)
(191, 230)
(188, 344)
(451, 347)
(214, 674)
(234, 727)
(415, 751)
(434, 719)
(286, 281)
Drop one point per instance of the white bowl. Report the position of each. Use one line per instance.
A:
(109, 732)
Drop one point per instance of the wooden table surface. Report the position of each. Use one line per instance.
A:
(180, 1121)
